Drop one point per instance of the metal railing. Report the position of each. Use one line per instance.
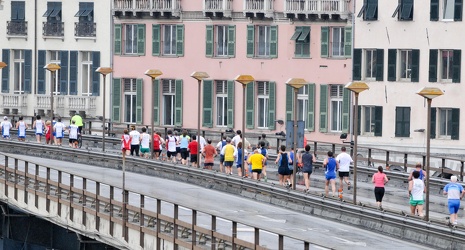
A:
(16, 28)
(316, 6)
(217, 5)
(258, 5)
(85, 29)
(53, 29)
(147, 5)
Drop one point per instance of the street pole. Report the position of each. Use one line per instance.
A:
(51, 105)
(152, 129)
(103, 113)
(355, 146)
(294, 161)
(125, 200)
(428, 140)
(243, 130)
(198, 123)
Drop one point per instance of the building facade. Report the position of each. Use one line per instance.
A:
(73, 34)
(270, 40)
(401, 47)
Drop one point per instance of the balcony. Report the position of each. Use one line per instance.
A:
(254, 8)
(16, 28)
(317, 8)
(17, 102)
(217, 8)
(53, 29)
(63, 104)
(84, 29)
(152, 7)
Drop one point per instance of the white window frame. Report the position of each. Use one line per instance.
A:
(169, 44)
(444, 121)
(221, 40)
(55, 57)
(221, 104)
(451, 9)
(18, 73)
(130, 92)
(171, 94)
(449, 65)
(263, 41)
(263, 105)
(368, 120)
(86, 73)
(405, 72)
(302, 103)
(130, 39)
(336, 107)
(337, 47)
(370, 64)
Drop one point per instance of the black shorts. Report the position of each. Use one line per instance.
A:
(343, 174)
(72, 140)
(258, 171)
(178, 150)
(171, 154)
(228, 163)
(208, 164)
(221, 158)
(308, 172)
(157, 150)
(193, 158)
(379, 194)
(184, 153)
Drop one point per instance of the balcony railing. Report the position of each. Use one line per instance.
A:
(82, 29)
(147, 5)
(217, 6)
(63, 104)
(316, 6)
(14, 100)
(53, 29)
(259, 6)
(16, 28)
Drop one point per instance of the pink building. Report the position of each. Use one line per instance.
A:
(270, 40)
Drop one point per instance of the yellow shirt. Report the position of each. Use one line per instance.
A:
(257, 161)
(229, 152)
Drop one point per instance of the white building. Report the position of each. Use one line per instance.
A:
(401, 47)
(74, 34)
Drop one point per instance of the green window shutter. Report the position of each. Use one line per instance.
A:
(250, 40)
(180, 40)
(73, 73)
(250, 106)
(156, 101)
(289, 103)
(311, 107)
(40, 72)
(458, 8)
(392, 64)
(357, 65)
(433, 123)
(379, 64)
(273, 42)
(155, 40)
(95, 75)
(433, 65)
(139, 100)
(6, 71)
(63, 73)
(324, 41)
(415, 65)
(348, 41)
(455, 124)
(346, 94)
(402, 122)
(272, 106)
(207, 103)
(434, 10)
(27, 71)
(178, 103)
(209, 41)
(117, 43)
(230, 115)
(398, 130)
(323, 108)
(141, 39)
(232, 40)
(457, 60)
(378, 120)
(116, 99)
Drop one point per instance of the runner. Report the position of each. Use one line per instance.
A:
(379, 179)
(184, 140)
(21, 126)
(257, 160)
(264, 152)
(344, 160)
(416, 189)
(73, 134)
(59, 131)
(135, 140)
(157, 145)
(54, 133)
(5, 127)
(219, 148)
(239, 157)
(171, 147)
(290, 177)
(178, 146)
(263, 139)
(237, 138)
(39, 127)
(77, 120)
(144, 143)
(330, 174)
(307, 159)
(125, 143)
(455, 193)
(230, 152)
(419, 169)
(209, 152)
(48, 131)
(193, 149)
(283, 165)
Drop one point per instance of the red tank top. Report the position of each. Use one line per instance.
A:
(126, 143)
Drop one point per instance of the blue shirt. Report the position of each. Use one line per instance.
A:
(454, 190)
(331, 166)
(183, 141)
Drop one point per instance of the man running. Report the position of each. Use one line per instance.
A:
(171, 146)
(21, 126)
(220, 147)
(39, 126)
(135, 141)
(157, 145)
(73, 134)
(5, 126)
(193, 149)
(455, 193)
(59, 129)
(344, 160)
(307, 159)
(183, 146)
(257, 160)
(209, 152)
(330, 174)
(78, 121)
(230, 152)
(144, 143)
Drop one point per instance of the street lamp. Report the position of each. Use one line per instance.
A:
(104, 72)
(52, 67)
(429, 94)
(199, 75)
(2, 65)
(357, 88)
(244, 80)
(296, 84)
(152, 73)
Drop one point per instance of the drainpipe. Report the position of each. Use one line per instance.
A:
(35, 50)
(352, 101)
(112, 49)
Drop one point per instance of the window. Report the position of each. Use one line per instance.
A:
(370, 64)
(402, 122)
(169, 39)
(445, 123)
(302, 103)
(55, 57)
(263, 103)
(53, 13)
(17, 11)
(221, 103)
(369, 10)
(86, 73)
(220, 40)
(371, 120)
(405, 64)
(336, 41)
(404, 10)
(130, 39)
(302, 41)
(451, 10)
(409, 60)
(86, 12)
(336, 107)
(448, 121)
(447, 59)
(130, 98)
(18, 71)
(17, 25)
(449, 65)
(169, 92)
(262, 41)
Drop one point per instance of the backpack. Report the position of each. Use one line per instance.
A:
(156, 141)
(263, 151)
(284, 161)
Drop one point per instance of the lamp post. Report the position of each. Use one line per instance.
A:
(296, 84)
(52, 67)
(199, 75)
(3, 65)
(104, 72)
(429, 94)
(357, 88)
(244, 80)
(152, 73)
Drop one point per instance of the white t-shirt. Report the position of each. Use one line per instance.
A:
(6, 126)
(145, 140)
(73, 131)
(171, 141)
(135, 137)
(58, 129)
(344, 160)
(235, 140)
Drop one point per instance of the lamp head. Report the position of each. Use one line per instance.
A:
(153, 73)
(357, 87)
(52, 67)
(244, 79)
(2, 65)
(199, 75)
(104, 70)
(296, 83)
(430, 92)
